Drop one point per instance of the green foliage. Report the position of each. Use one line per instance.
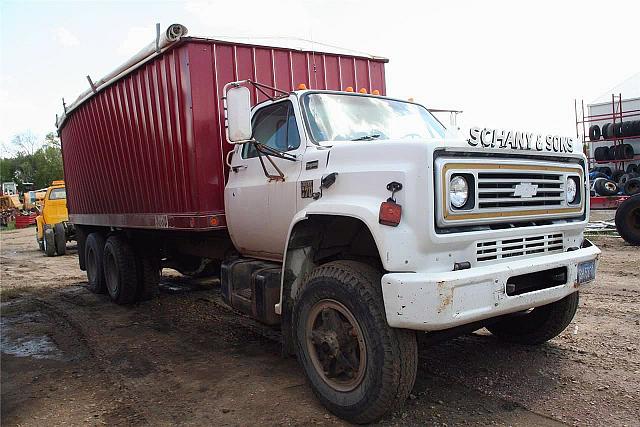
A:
(37, 163)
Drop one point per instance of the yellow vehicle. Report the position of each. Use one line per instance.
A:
(53, 229)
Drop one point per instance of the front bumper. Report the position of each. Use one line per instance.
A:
(437, 301)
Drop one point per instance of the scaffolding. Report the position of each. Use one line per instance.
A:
(617, 115)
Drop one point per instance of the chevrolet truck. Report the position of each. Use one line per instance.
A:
(351, 220)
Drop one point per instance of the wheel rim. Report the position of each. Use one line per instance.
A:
(336, 345)
(111, 273)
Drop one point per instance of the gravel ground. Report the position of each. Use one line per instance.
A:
(71, 357)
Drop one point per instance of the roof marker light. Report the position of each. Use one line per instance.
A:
(363, 90)
(349, 89)
(302, 86)
(375, 92)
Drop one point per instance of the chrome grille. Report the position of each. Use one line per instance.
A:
(496, 189)
(492, 250)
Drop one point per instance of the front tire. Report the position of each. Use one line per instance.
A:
(49, 242)
(357, 366)
(60, 235)
(538, 326)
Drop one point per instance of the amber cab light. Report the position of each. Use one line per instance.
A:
(302, 86)
(390, 213)
(349, 89)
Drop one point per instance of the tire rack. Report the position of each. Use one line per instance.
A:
(582, 122)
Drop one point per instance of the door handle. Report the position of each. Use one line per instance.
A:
(238, 168)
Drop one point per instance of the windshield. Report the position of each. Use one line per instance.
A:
(344, 117)
(58, 194)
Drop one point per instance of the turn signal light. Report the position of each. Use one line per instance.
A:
(302, 86)
(349, 89)
(375, 92)
(390, 213)
(363, 90)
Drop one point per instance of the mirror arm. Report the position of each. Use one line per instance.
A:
(270, 151)
(280, 176)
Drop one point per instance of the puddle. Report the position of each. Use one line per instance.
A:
(38, 347)
(16, 343)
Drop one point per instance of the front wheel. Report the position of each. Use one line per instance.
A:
(49, 242)
(60, 235)
(538, 325)
(357, 366)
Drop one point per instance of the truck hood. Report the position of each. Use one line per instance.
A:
(406, 146)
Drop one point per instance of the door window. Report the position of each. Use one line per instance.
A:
(274, 126)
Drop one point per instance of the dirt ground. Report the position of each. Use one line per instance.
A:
(71, 357)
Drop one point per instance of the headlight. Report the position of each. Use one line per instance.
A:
(572, 190)
(458, 191)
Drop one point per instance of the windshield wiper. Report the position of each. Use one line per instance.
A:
(367, 137)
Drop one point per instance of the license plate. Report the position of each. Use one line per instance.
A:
(586, 271)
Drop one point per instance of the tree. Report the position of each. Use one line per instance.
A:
(26, 142)
(37, 162)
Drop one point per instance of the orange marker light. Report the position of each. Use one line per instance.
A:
(302, 86)
(390, 213)
(375, 92)
(349, 89)
(363, 90)
(213, 221)
(410, 99)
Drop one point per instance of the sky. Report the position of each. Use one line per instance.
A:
(506, 64)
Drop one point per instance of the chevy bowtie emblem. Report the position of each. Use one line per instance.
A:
(525, 190)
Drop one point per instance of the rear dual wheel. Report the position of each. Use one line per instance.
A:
(114, 267)
(120, 270)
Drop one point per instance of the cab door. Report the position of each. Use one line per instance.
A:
(259, 210)
(55, 206)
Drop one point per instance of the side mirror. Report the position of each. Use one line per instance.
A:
(238, 102)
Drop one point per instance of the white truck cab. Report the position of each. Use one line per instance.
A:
(384, 223)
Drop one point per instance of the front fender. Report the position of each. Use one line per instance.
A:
(396, 245)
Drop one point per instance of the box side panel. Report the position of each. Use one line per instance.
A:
(139, 150)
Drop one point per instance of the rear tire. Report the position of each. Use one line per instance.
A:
(49, 242)
(148, 269)
(120, 270)
(628, 220)
(93, 255)
(347, 295)
(538, 326)
(61, 238)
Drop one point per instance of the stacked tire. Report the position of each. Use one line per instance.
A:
(605, 182)
(625, 129)
(614, 152)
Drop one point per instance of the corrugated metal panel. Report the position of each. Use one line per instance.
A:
(153, 142)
